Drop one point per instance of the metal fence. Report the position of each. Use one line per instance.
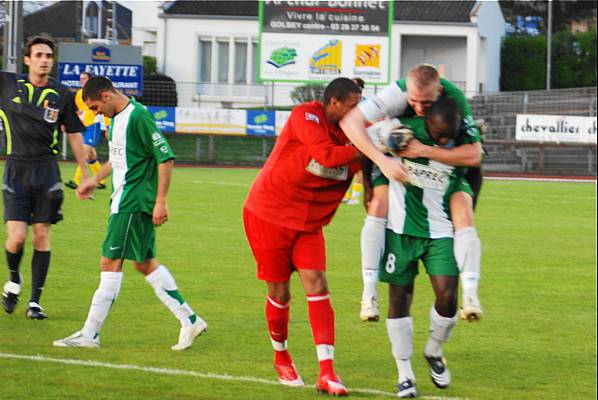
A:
(505, 154)
(499, 110)
(225, 95)
(205, 149)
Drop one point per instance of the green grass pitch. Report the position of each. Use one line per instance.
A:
(537, 340)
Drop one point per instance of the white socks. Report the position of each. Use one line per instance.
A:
(400, 333)
(325, 352)
(468, 253)
(373, 236)
(165, 288)
(101, 302)
(440, 330)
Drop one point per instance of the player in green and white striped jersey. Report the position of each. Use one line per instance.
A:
(141, 163)
(420, 228)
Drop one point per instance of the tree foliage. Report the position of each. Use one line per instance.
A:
(563, 12)
(149, 65)
(308, 92)
(524, 61)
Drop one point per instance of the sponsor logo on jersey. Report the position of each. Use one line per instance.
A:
(336, 173)
(117, 155)
(157, 139)
(312, 117)
(426, 177)
(164, 149)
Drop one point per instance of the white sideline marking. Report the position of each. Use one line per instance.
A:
(223, 183)
(514, 178)
(182, 372)
(490, 178)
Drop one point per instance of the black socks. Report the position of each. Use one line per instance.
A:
(40, 262)
(13, 260)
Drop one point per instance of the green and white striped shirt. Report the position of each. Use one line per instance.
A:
(421, 208)
(136, 148)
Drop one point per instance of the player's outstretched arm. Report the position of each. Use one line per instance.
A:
(354, 126)
(76, 143)
(87, 186)
(160, 213)
(465, 155)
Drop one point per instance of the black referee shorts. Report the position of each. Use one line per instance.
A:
(32, 191)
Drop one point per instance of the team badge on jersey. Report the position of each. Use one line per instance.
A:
(312, 117)
(51, 114)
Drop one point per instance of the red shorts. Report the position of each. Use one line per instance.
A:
(279, 250)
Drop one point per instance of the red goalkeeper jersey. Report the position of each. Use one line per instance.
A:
(307, 173)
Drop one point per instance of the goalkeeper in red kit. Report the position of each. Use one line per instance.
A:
(296, 193)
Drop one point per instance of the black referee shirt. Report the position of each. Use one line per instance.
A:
(32, 116)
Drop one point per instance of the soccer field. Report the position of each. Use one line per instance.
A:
(536, 341)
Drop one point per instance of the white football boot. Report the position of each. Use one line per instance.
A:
(77, 339)
(189, 333)
(471, 309)
(370, 311)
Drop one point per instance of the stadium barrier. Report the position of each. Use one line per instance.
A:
(550, 158)
(207, 141)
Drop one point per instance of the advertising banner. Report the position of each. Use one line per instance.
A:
(304, 41)
(281, 120)
(555, 128)
(261, 123)
(211, 120)
(126, 78)
(165, 117)
(123, 65)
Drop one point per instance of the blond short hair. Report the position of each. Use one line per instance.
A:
(423, 75)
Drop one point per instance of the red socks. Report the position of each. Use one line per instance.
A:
(321, 319)
(277, 317)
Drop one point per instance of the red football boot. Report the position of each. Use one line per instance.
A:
(287, 375)
(331, 384)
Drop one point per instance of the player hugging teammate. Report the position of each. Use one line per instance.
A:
(411, 217)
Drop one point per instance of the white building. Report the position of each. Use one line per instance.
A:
(210, 48)
(145, 25)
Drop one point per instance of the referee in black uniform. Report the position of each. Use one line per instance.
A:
(33, 110)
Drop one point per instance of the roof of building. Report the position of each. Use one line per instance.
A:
(61, 20)
(413, 11)
(433, 11)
